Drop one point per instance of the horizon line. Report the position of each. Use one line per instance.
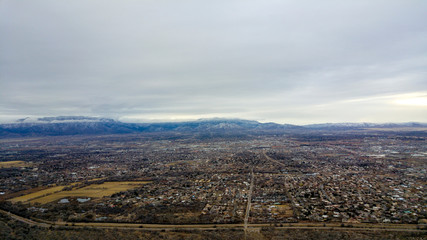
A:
(86, 118)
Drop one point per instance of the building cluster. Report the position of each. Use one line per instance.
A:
(376, 178)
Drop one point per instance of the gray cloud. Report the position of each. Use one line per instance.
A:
(284, 61)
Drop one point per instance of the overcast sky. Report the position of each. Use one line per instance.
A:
(283, 61)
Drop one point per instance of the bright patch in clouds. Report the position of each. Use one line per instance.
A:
(412, 100)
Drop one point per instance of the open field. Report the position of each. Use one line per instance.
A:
(21, 193)
(285, 210)
(92, 191)
(35, 195)
(31, 196)
(11, 164)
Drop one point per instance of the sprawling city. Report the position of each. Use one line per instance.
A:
(252, 182)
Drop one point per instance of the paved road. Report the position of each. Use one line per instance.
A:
(273, 160)
(248, 206)
(158, 227)
(287, 192)
(25, 220)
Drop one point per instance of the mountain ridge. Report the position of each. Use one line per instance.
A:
(79, 125)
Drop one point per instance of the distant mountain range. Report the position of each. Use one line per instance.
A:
(365, 125)
(79, 125)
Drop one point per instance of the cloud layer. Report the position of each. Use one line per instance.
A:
(283, 61)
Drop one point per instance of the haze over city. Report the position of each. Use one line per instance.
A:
(295, 62)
